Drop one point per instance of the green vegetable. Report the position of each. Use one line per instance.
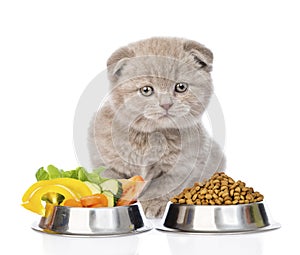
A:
(95, 188)
(42, 174)
(80, 173)
(54, 172)
(110, 198)
(114, 186)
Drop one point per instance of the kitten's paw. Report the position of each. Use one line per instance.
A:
(154, 208)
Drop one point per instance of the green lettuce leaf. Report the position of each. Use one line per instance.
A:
(41, 174)
(54, 172)
(80, 173)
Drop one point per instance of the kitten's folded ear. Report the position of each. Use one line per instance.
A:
(117, 61)
(201, 55)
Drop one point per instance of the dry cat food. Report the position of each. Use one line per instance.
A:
(220, 189)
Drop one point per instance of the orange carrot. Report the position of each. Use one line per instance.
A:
(131, 190)
(97, 206)
(73, 203)
(137, 178)
(95, 199)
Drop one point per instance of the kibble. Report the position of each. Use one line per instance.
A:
(220, 189)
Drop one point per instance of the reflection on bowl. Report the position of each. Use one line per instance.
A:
(95, 221)
(218, 218)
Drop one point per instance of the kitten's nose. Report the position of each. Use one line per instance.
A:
(166, 106)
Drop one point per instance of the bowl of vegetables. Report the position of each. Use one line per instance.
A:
(78, 202)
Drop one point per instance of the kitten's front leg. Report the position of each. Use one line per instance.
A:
(154, 208)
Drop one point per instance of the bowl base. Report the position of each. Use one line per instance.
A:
(35, 226)
(272, 226)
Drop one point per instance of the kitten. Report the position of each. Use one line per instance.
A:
(150, 125)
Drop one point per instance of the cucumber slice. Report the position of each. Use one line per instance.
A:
(95, 189)
(110, 198)
(113, 185)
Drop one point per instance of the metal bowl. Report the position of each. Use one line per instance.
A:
(105, 221)
(218, 218)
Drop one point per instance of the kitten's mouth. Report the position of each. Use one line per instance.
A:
(166, 115)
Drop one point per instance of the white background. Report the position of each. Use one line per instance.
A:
(51, 50)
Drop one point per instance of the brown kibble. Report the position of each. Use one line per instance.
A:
(197, 184)
(225, 194)
(230, 180)
(220, 189)
(212, 202)
(234, 185)
(227, 198)
(249, 197)
(218, 202)
(194, 197)
(259, 199)
(224, 183)
(188, 195)
(189, 202)
(237, 189)
(224, 187)
(203, 191)
(181, 201)
(173, 200)
(216, 187)
(208, 196)
(236, 197)
(205, 202)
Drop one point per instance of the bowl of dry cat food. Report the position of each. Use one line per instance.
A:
(80, 203)
(218, 205)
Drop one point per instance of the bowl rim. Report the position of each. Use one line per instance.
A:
(98, 208)
(223, 205)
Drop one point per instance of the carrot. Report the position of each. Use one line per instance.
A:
(73, 203)
(131, 190)
(137, 178)
(95, 199)
(97, 206)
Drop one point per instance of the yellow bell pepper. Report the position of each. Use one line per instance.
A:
(68, 187)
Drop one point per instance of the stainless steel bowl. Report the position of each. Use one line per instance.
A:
(103, 221)
(218, 218)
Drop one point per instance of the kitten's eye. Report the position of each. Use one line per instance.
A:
(146, 91)
(181, 87)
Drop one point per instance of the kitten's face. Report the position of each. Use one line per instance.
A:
(158, 92)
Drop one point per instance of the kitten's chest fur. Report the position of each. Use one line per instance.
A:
(156, 148)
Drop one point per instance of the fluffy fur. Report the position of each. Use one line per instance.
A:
(158, 136)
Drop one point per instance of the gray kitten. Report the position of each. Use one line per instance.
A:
(150, 124)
